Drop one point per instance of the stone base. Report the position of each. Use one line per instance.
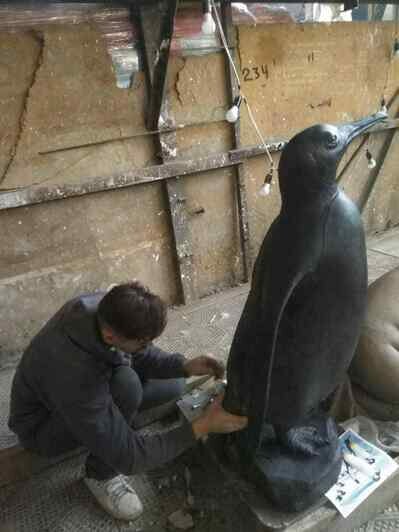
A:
(292, 480)
(322, 517)
(293, 483)
(263, 516)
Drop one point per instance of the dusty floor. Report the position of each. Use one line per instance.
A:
(57, 501)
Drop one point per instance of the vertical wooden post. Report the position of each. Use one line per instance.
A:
(156, 21)
(178, 212)
(241, 192)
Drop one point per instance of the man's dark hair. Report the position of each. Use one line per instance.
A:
(133, 312)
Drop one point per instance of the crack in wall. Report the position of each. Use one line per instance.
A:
(238, 41)
(21, 121)
(176, 84)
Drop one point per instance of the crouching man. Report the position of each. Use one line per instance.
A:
(85, 376)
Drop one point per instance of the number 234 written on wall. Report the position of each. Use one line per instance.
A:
(255, 72)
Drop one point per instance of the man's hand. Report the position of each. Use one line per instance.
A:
(204, 365)
(216, 419)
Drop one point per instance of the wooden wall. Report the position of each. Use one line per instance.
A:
(58, 91)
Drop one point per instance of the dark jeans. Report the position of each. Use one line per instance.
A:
(130, 395)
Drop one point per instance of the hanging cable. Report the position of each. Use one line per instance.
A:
(251, 116)
(232, 114)
(224, 42)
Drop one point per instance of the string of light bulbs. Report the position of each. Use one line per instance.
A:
(233, 112)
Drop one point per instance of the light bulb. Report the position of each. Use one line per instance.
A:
(370, 160)
(265, 189)
(232, 114)
(384, 108)
(208, 26)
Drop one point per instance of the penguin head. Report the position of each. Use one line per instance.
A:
(310, 160)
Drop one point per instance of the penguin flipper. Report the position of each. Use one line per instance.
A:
(279, 293)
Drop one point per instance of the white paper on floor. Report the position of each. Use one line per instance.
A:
(364, 468)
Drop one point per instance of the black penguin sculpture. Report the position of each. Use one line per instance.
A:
(301, 322)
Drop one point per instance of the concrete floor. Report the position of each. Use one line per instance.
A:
(57, 501)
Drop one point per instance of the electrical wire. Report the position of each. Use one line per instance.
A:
(224, 41)
(250, 114)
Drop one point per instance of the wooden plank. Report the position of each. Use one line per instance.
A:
(241, 192)
(179, 217)
(15, 464)
(18, 464)
(156, 20)
(138, 176)
(376, 171)
(180, 221)
(157, 25)
(377, 214)
(390, 123)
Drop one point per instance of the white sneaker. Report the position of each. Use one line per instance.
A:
(116, 496)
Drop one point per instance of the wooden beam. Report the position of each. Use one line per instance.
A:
(241, 192)
(178, 127)
(376, 171)
(18, 464)
(180, 222)
(157, 24)
(138, 176)
(390, 123)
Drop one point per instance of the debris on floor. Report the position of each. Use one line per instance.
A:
(181, 519)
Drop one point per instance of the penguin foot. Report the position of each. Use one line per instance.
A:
(303, 440)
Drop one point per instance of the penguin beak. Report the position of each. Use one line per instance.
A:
(353, 129)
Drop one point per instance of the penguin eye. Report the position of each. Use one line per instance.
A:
(331, 140)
